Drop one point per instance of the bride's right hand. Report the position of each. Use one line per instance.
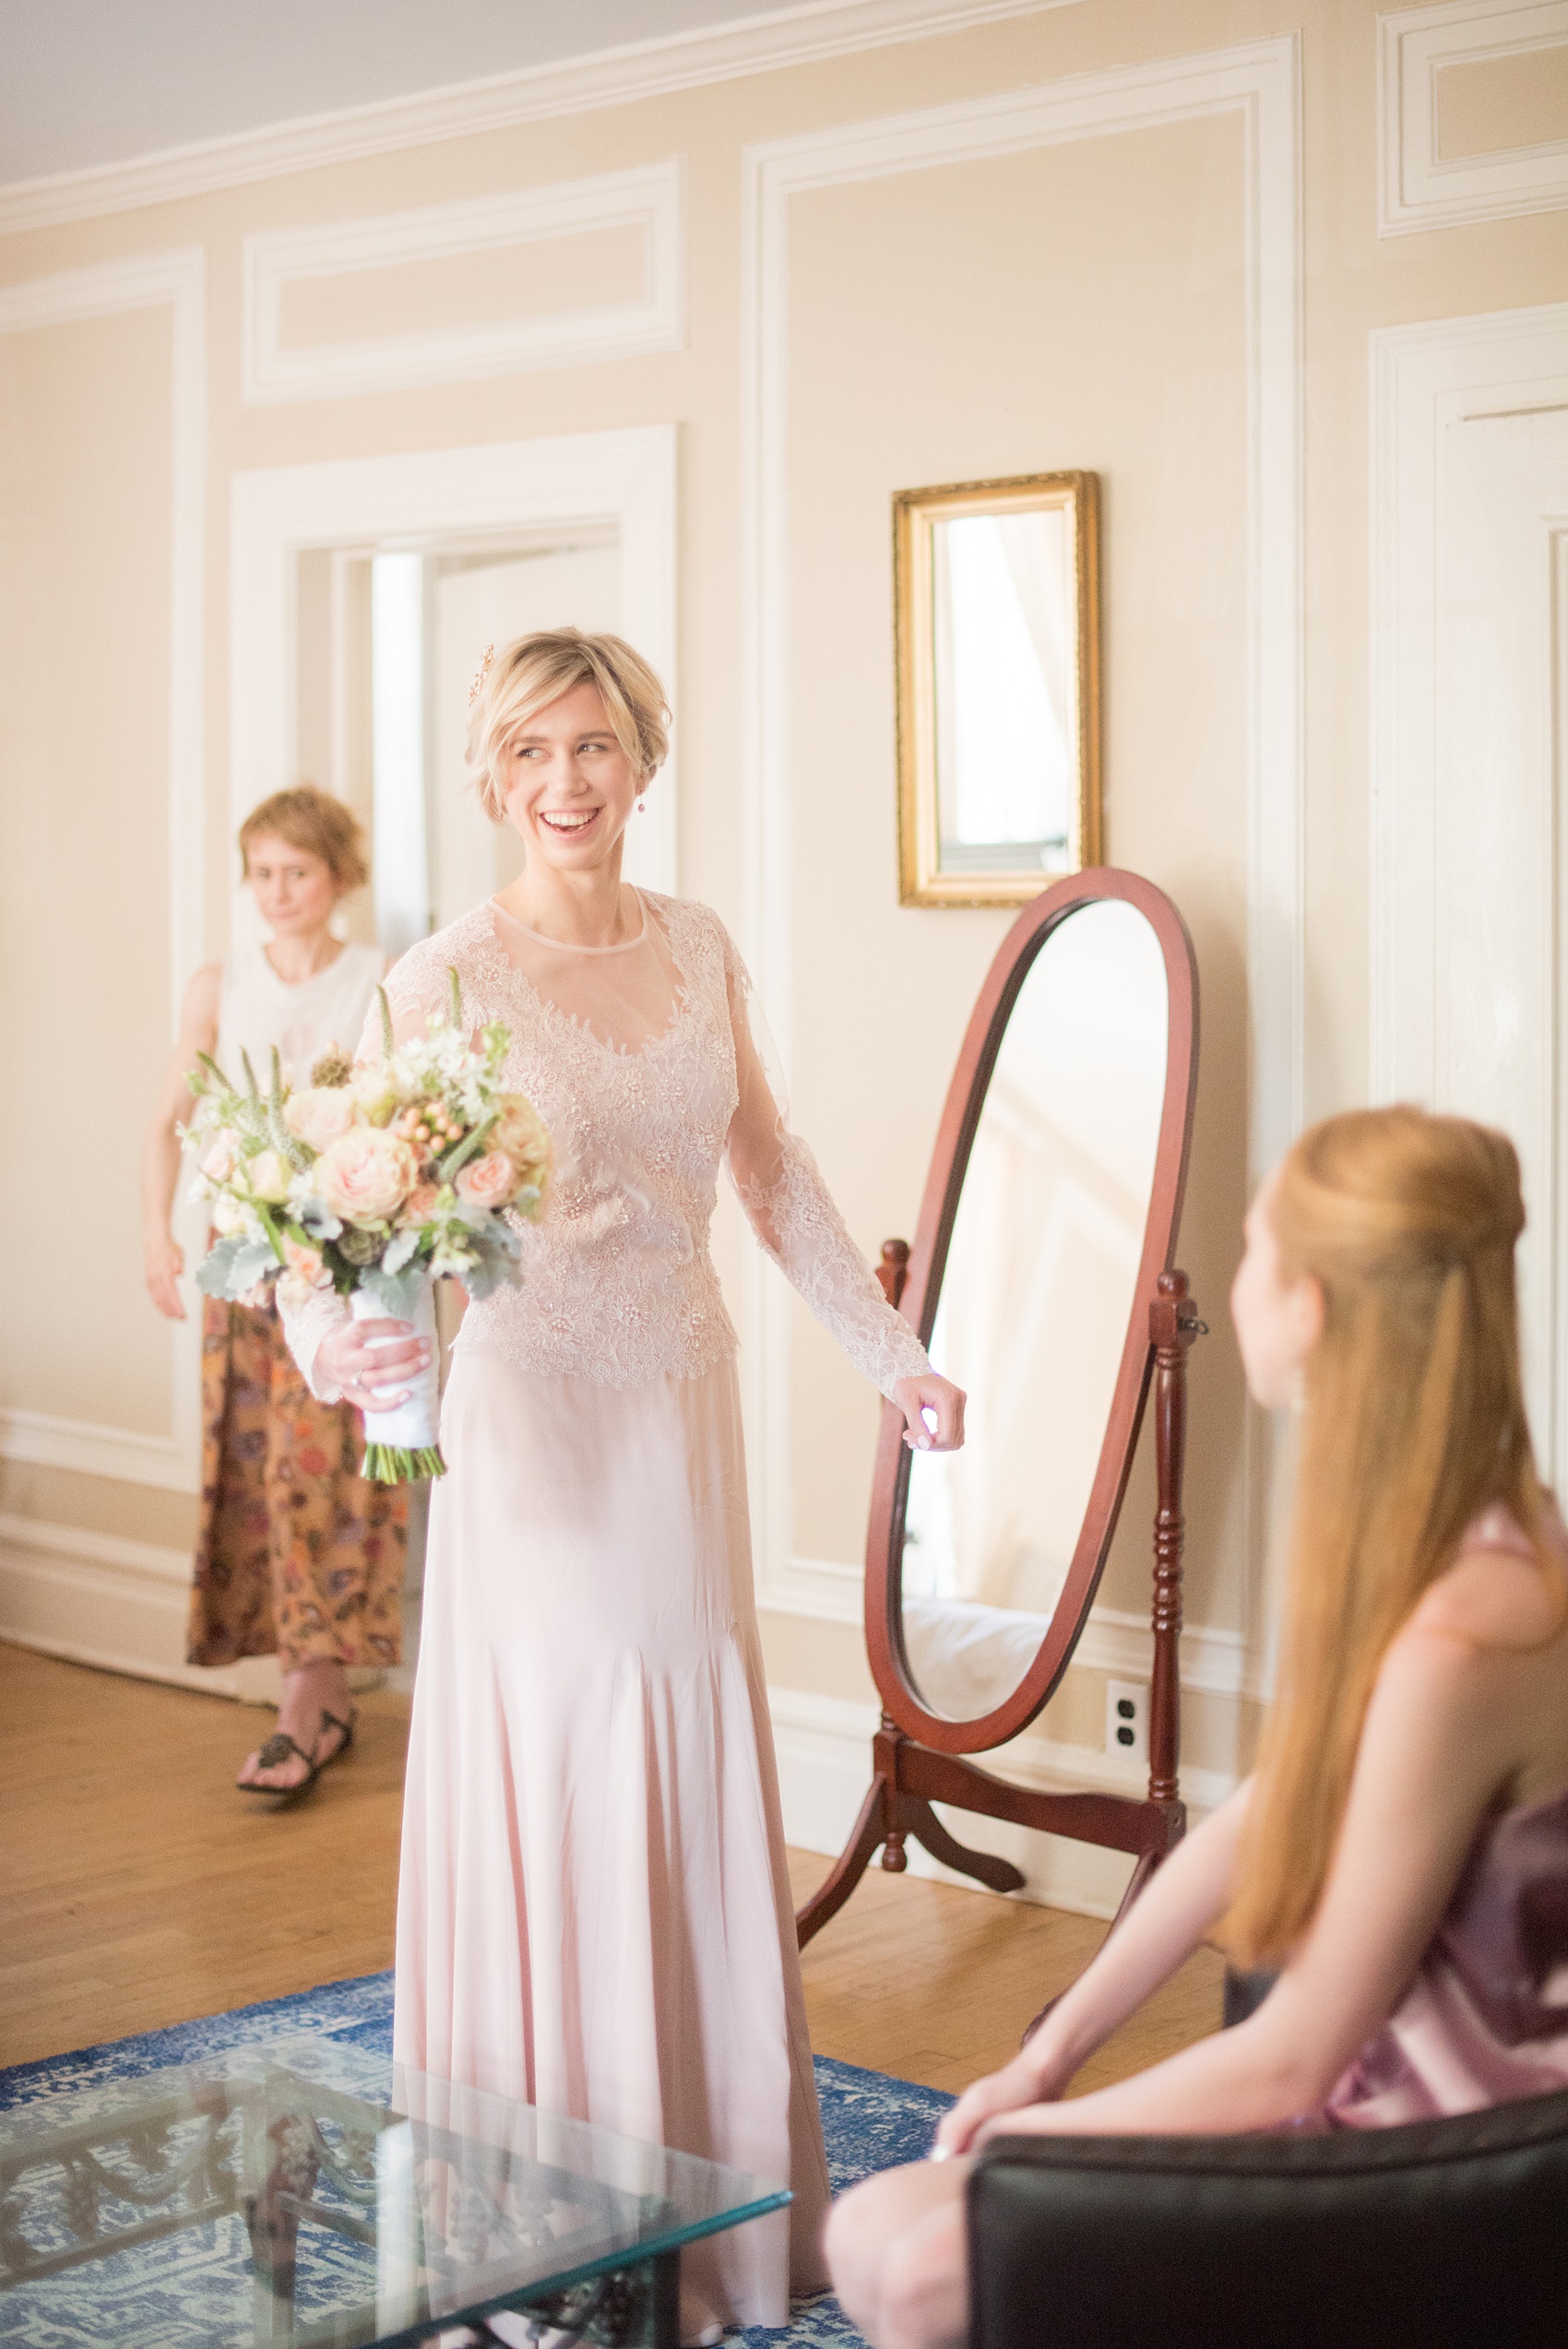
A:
(364, 1366)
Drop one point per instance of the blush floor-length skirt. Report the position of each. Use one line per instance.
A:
(594, 1912)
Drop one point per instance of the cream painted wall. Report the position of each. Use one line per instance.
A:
(84, 720)
(1081, 305)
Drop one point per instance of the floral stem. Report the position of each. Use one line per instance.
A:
(392, 1463)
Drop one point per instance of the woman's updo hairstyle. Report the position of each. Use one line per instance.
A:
(1413, 1422)
(1381, 1196)
(535, 670)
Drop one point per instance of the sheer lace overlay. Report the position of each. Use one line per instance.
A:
(642, 1060)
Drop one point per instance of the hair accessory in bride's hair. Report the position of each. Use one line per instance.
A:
(481, 674)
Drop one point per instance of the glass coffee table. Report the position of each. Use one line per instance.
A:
(310, 2191)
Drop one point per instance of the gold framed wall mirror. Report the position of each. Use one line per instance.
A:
(997, 631)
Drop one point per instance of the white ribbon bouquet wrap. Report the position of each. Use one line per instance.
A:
(373, 1181)
(410, 1431)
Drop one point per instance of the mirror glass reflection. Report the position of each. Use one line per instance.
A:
(1005, 649)
(1034, 1307)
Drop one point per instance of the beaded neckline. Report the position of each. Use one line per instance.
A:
(556, 1014)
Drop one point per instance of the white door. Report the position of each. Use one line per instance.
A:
(1471, 883)
(1499, 1040)
(489, 605)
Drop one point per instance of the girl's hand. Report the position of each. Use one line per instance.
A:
(944, 1400)
(165, 1262)
(1033, 2077)
(361, 1362)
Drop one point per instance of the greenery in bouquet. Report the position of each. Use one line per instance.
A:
(373, 1177)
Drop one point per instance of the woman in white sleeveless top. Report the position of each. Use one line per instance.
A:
(296, 1554)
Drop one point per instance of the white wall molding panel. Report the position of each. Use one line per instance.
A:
(116, 1604)
(175, 279)
(1260, 82)
(799, 35)
(1417, 189)
(649, 199)
(1470, 679)
(486, 495)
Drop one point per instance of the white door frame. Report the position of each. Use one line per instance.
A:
(625, 479)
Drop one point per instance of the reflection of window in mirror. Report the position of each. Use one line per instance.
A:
(1047, 1240)
(389, 641)
(997, 637)
(1003, 594)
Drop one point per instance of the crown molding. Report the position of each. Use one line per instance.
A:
(801, 35)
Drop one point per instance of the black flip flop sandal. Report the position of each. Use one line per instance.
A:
(279, 1745)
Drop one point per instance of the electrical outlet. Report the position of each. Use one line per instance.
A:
(1126, 1719)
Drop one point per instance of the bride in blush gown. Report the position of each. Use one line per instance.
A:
(594, 1912)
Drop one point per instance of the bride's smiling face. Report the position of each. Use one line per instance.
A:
(569, 785)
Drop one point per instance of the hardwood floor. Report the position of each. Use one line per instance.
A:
(137, 1890)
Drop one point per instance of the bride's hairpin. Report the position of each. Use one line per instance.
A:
(481, 674)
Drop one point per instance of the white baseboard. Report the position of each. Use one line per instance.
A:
(116, 1604)
(824, 1748)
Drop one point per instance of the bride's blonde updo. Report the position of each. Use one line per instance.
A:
(536, 670)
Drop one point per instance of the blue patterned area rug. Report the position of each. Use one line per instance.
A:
(868, 2120)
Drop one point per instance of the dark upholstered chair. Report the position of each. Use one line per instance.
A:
(1443, 2235)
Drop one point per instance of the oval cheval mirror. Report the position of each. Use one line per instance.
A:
(1042, 1280)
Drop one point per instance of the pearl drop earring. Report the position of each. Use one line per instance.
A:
(642, 807)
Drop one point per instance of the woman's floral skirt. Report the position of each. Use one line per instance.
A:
(297, 1553)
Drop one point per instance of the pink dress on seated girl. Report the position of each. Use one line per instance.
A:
(1485, 2021)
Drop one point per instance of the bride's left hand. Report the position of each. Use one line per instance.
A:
(944, 1400)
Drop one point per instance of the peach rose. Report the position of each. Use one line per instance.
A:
(365, 1175)
(420, 1205)
(319, 1115)
(306, 1268)
(218, 1163)
(488, 1182)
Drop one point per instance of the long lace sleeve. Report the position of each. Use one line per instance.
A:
(792, 1211)
(308, 1322)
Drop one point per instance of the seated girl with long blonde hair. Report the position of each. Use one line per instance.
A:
(1400, 1854)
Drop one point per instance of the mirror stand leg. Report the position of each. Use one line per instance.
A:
(922, 1822)
(871, 1829)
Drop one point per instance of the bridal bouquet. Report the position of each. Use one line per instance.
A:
(373, 1182)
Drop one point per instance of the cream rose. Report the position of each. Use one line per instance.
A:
(267, 1176)
(319, 1115)
(365, 1175)
(521, 1135)
(373, 1089)
(227, 1216)
(488, 1182)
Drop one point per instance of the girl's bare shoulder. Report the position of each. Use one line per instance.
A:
(1496, 1594)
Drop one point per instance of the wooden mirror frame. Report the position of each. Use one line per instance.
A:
(917, 1753)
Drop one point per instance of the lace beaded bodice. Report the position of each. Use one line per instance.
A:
(617, 1284)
